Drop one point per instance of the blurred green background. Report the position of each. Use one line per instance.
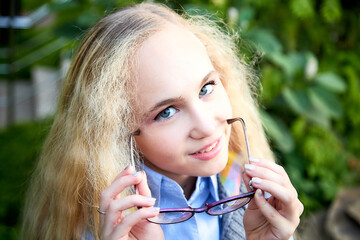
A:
(305, 52)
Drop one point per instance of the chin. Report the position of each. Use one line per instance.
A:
(214, 168)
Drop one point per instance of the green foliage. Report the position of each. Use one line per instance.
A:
(19, 146)
(75, 17)
(331, 11)
(30, 5)
(302, 9)
(323, 164)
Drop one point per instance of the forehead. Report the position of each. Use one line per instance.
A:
(169, 61)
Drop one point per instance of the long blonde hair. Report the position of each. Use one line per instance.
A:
(88, 142)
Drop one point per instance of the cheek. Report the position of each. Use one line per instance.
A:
(160, 149)
(224, 105)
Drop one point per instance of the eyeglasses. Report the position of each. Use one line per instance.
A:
(227, 205)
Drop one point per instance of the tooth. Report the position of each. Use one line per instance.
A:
(208, 149)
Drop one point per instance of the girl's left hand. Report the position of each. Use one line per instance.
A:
(278, 216)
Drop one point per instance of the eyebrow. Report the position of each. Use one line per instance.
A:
(178, 99)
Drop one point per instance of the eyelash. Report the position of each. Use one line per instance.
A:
(212, 83)
(158, 117)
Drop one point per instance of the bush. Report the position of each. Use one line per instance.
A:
(20, 146)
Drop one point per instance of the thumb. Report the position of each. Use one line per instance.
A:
(269, 212)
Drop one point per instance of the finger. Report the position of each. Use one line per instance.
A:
(266, 209)
(127, 171)
(131, 220)
(269, 165)
(116, 188)
(281, 226)
(246, 179)
(291, 206)
(285, 195)
(264, 173)
(143, 186)
(116, 208)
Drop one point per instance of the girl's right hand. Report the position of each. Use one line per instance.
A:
(115, 224)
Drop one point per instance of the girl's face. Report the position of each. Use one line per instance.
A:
(184, 106)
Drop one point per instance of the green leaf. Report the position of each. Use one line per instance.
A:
(303, 9)
(265, 40)
(330, 81)
(331, 10)
(325, 101)
(63, 6)
(87, 19)
(278, 132)
(297, 100)
(290, 63)
(246, 15)
(317, 117)
(40, 53)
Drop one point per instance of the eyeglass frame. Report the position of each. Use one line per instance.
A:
(207, 206)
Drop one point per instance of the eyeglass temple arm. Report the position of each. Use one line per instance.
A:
(137, 132)
(232, 120)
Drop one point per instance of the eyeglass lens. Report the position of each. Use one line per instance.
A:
(228, 206)
(177, 217)
(171, 217)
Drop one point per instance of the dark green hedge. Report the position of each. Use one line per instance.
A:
(19, 147)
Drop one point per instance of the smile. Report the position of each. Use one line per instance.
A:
(209, 151)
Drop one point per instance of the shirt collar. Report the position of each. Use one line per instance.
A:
(169, 194)
(205, 190)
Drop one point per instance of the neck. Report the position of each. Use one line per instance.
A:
(187, 183)
(188, 186)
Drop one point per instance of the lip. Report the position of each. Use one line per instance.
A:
(208, 155)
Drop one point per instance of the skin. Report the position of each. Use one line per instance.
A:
(184, 108)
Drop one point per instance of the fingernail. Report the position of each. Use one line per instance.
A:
(155, 209)
(137, 173)
(150, 199)
(259, 193)
(249, 166)
(267, 195)
(256, 180)
(254, 159)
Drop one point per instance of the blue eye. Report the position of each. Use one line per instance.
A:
(207, 89)
(166, 113)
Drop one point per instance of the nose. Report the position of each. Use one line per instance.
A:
(202, 122)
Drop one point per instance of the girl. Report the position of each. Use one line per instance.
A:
(173, 86)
